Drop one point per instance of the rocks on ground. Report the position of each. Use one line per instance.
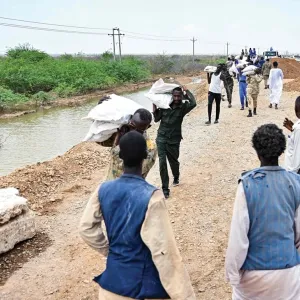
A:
(16, 220)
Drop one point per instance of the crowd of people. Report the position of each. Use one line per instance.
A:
(143, 261)
(249, 84)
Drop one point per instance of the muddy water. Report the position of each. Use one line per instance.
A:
(44, 135)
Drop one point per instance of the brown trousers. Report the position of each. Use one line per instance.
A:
(266, 78)
(252, 99)
(106, 295)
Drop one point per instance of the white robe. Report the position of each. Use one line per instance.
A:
(257, 285)
(276, 85)
(292, 153)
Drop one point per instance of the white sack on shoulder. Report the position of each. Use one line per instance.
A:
(250, 68)
(160, 87)
(115, 110)
(248, 73)
(233, 69)
(160, 100)
(210, 69)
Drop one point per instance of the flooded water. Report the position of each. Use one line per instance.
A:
(44, 135)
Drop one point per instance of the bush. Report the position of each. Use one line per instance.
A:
(8, 97)
(27, 52)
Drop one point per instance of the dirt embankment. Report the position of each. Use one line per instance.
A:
(40, 183)
(289, 67)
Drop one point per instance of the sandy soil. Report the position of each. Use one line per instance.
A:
(58, 265)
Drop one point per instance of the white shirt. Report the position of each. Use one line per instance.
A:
(215, 84)
(292, 155)
(276, 78)
(257, 285)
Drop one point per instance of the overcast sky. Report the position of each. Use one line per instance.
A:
(254, 23)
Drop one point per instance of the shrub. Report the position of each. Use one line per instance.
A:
(8, 97)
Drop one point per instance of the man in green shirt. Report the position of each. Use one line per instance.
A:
(169, 134)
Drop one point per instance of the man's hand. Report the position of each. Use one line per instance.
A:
(288, 124)
(184, 88)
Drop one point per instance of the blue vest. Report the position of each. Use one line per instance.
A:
(130, 271)
(273, 196)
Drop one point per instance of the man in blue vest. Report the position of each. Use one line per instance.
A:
(262, 260)
(143, 260)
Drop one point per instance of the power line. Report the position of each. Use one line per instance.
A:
(50, 29)
(154, 39)
(52, 24)
(85, 27)
(153, 35)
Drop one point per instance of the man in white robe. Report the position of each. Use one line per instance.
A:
(276, 85)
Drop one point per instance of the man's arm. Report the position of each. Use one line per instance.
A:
(238, 239)
(90, 225)
(157, 114)
(158, 235)
(192, 102)
(295, 164)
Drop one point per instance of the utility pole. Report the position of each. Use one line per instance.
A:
(119, 34)
(193, 40)
(114, 42)
(227, 47)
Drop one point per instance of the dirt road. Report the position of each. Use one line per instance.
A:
(60, 266)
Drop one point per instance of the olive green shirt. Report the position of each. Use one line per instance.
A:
(171, 120)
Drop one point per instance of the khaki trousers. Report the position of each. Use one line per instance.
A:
(106, 295)
(252, 99)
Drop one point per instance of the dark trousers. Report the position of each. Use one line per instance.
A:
(211, 98)
(170, 152)
(229, 91)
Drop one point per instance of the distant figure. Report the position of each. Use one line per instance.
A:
(214, 93)
(242, 53)
(292, 154)
(262, 260)
(228, 84)
(242, 88)
(261, 62)
(229, 63)
(266, 69)
(254, 52)
(250, 52)
(271, 49)
(276, 85)
(253, 82)
(246, 52)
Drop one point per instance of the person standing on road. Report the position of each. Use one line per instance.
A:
(292, 155)
(243, 88)
(276, 85)
(143, 261)
(170, 134)
(214, 93)
(266, 69)
(253, 82)
(261, 62)
(228, 83)
(262, 259)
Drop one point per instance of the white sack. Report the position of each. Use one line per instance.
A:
(115, 110)
(233, 69)
(241, 64)
(248, 73)
(160, 100)
(160, 87)
(250, 68)
(101, 131)
(210, 69)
